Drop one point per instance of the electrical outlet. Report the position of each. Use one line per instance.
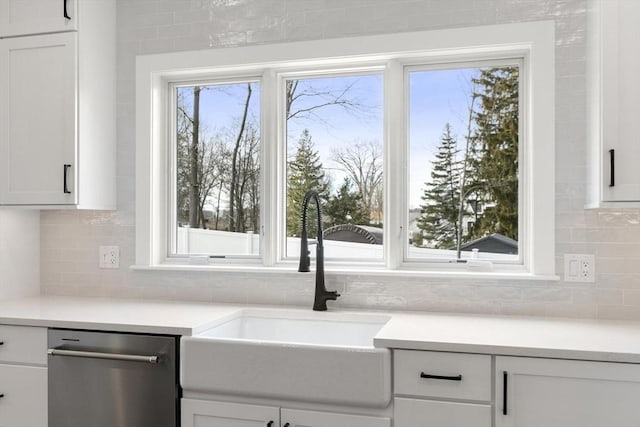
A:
(579, 268)
(109, 257)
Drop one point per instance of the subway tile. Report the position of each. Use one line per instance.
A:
(70, 239)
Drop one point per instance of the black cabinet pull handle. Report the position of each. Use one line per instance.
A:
(66, 173)
(612, 162)
(270, 423)
(1, 342)
(505, 376)
(286, 425)
(1, 395)
(65, 12)
(441, 377)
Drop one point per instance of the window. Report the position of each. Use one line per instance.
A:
(334, 145)
(216, 146)
(430, 152)
(463, 162)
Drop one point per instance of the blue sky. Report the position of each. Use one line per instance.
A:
(435, 98)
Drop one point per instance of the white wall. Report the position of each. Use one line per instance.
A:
(19, 253)
(70, 240)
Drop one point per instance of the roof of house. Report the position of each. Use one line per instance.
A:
(494, 243)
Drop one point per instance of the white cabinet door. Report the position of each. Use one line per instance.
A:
(38, 89)
(431, 413)
(24, 396)
(23, 17)
(613, 102)
(302, 418)
(621, 99)
(201, 413)
(566, 393)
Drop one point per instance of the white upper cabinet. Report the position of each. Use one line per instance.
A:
(38, 119)
(24, 17)
(613, 103)
(57, 118)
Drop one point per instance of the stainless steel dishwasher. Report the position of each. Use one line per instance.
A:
(104, 379)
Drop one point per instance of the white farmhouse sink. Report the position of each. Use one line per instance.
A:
(291, 355)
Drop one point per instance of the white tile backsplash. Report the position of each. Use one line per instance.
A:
(70, 240)
(19, 254)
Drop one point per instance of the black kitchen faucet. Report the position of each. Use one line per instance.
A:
(322, 294)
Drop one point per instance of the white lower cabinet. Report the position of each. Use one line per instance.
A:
(23, 401)
(23, 376)
(205, 413)
(566, 393)
(304, 418)
(430, 413)
(439, 389)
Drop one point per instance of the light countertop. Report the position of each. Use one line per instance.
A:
(617, 341)
(602, 340)
(154, 317)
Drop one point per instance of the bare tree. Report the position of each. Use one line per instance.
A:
(213, 167)
(225, 168)
(234, 159)
(194, 157)
(247, 185)
(303, 101)
(362, 163)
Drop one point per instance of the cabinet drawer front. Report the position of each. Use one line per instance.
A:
(23, 344)
(428, 413)
(303, 418)
(24, 401)
(205, 413)
(443, 375)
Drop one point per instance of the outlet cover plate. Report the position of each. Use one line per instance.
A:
(579, 268)
(109, 257)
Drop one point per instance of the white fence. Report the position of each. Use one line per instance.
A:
(200, 241)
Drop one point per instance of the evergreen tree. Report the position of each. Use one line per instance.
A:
(439, 219)
(496, 135)
(346, 207)
(304, 172)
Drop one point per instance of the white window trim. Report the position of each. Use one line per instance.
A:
(496, 60)
(534, 41)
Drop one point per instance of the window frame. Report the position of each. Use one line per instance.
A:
(171, 158)
(532, 41)
(494, 61)
(282, 75)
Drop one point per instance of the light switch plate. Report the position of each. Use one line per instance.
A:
(109, 257)
(579, 268)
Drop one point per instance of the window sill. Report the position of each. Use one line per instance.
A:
(377, 271)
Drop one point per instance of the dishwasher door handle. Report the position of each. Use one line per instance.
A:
(108, 356)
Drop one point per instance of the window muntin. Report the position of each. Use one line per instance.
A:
(463, 136)
(334, 144)
(220, 175)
